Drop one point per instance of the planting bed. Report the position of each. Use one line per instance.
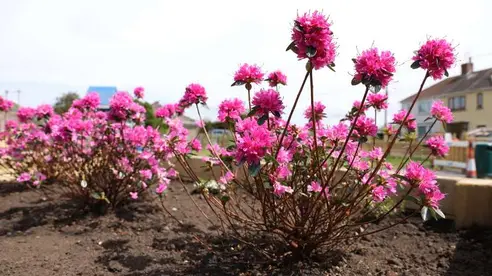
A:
(41, 236)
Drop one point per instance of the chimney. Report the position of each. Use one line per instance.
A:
(467, 68)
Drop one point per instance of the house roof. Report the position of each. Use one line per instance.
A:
(105, 93)
(462, 83)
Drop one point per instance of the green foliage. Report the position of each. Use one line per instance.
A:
(64, 102)
(150, 118)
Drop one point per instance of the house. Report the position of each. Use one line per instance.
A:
(105, 94)
(468, 95)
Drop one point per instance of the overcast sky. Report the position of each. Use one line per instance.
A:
(49, 47)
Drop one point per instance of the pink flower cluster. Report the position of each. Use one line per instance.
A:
(425, 180)
(312, 39)
(167, 111)
(275, 78)
(365, 126)
(247, 74)
(194, 94)
(253, 141)
(378, 101)
(139, 92)
(438, 146)
(91, 101)
(123, 108)
(436, 56)
(231, 110)
(441, 112)
(319, 112)
(5, 105)
(374, 68)
(409, 123)
(268, 101)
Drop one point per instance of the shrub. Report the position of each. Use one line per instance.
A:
(311, 186)
(101, 158)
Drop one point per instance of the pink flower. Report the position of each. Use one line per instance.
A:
(166, 111)
(433, 197)
(379, 193)
(228, 177)
(146, 174)
(417, 174)
(91, 101)
(134, 195)
(337, 132)
(376, 153)
(312, 39)
(441, 112)
(194, 94)
(231, 110)
(120, 106)
(372, 68)
(161, 188)
(44, 111)
(26, 114)
(139, 92)
(276, 78)
(437, 145)
(365, 126)
(390, 130)
(196, 145)
(248, 74)
(279, 189)
(268, 101)
(6, 105)
(253, 142)
(283, 156)
(319, 112)
(358, 105)
(24, 177)
(11, 124)
(410, 123)
(436, 56)
(377, 100)
(314, 187)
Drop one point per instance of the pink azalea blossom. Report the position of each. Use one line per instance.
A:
(253, 142)
(226, 178)
(376, 153)
(44, 111)
(268, 101)
(390, 130)
(379, 193)
(319, 112)
(139, 92)
(410, 123)
(231, 110)
(26, 114)
(248, 74)
(314, 187)
(374, 68)
(365, 126)
(378, 101)
(312, 39)
(24, 177)
(283, 156)
(166, 111)
(146, 174)
(196, 145)
(441, 112)
(276, 78)
(358, 105)
(161, 188)
(438, 146)
(6, 105)
(134, 195)
(11, 124)
(122, 107)
(91, 101)
(436, 56)
(279, 189)
(194, 94)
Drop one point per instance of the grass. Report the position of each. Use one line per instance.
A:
(396, 160)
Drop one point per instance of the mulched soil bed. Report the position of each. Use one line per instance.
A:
(40, 236)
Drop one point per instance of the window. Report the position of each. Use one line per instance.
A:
(424, 107)
(481, 126)
(421, 130)
(479, 101)
(457, 103)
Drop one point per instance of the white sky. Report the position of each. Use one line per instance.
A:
(49, 47)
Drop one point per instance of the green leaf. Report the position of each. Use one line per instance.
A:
(225, 199)
(291, 46)
(439, 213)
(446, 73)
(425, 214)
(311, 51)
(262, 119)
(355, 81)
(415, 64)
(253, 111)
(331, 67)
(298, 26)
(377, 88)
(254, 169)
(354, 60)
(276, 114)
(96, 195)
(427, 119)
(401, 177)
(412, 199)
(238, 83)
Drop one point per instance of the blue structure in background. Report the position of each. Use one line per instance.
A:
(105, 94)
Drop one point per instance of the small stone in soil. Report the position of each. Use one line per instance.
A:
(394, 261)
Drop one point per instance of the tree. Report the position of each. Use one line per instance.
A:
(150, 118)
(64, 102)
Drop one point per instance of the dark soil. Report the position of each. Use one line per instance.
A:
(40, 236)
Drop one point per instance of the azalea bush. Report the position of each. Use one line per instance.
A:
(103, 158)
(311, 186)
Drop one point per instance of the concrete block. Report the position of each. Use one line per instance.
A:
(473, 203)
